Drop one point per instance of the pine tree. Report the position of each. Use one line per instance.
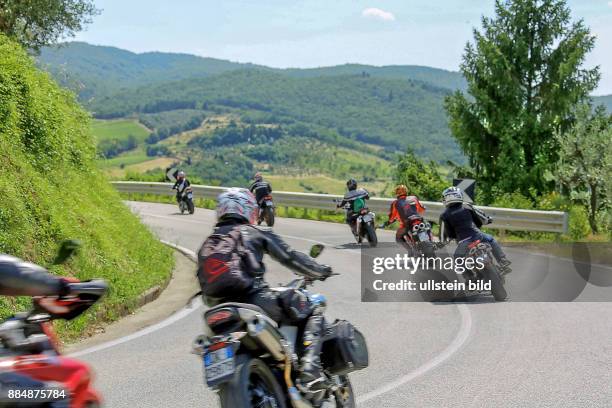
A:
(525, 77)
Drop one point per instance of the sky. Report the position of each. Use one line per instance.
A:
(312, 33)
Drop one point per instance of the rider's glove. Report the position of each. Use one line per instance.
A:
(327, 271)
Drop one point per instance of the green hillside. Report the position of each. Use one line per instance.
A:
(51, 190)
(93, 70)
(435, 76)
(387, 112)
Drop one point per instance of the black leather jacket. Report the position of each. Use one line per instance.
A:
(19, 278)
(461, 221)
(261, 240)
(260, 189)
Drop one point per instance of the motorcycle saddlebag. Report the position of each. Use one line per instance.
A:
(344, 349)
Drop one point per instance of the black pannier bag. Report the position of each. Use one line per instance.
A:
(344, 349)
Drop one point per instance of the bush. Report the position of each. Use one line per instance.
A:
(578, 222)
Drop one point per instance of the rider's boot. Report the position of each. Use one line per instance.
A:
(311, 380)
(504, 264)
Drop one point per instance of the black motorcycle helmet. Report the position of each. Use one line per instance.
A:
(351, 185)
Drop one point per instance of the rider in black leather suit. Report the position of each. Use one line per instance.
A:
(289, 305)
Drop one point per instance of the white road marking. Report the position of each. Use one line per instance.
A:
(459, 340)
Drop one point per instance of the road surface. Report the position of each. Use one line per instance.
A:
(513, 354)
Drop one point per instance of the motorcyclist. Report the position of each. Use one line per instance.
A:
(261, 189)
(356, 200)
(401, 209)
(236, 210)
(19, 278)
(462, 221)
(180, 185)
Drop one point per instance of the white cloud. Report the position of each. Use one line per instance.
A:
(379, 14)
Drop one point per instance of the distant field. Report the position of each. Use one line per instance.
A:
(317, 184)
(118, 129)
(135, 156)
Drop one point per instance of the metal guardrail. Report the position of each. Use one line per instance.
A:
(503, 218)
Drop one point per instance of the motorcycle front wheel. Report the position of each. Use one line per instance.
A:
(427, 248)
(190, 206)
(253, 385)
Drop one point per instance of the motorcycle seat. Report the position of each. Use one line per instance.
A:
(252, 307)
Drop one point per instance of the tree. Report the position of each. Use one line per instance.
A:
(422, 179)
(36, 23)
(585, 164)
(525, 78)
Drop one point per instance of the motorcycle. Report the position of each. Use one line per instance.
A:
(251, 362)
(490, 272)
(29, 347)
(365, 226)
(419, 238)
(266, 208)
(186, 201)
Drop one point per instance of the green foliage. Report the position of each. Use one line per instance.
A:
(585, 163)
(51, 191)
(112, 147)
(422, 179)
(578, 222)
(525, 77)
(36, 23)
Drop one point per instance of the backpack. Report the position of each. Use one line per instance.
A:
(222, 267)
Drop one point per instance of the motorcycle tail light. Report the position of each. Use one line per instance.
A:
(363, 211)
(217, 346)
(219, 317)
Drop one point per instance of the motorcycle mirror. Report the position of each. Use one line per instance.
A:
(316, 250)
(67, 248)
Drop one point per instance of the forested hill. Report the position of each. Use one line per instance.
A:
(92, 69)
(435, 76)
(97, 68)
(388, 112)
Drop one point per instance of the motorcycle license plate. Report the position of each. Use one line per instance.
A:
(269, 204)
(219, 364)
(367, 218)
(190, 195)
(423, 236)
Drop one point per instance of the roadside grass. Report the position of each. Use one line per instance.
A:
(118, 129)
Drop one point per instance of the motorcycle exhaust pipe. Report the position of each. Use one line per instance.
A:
(267, 337)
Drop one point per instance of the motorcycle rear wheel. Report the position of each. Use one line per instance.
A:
(371, 235)
(345, 397)
(269, 216)
(498, 290)
(253, 385)
(427, 248)
(190, 207)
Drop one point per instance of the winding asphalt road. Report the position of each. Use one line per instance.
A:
(513, 354)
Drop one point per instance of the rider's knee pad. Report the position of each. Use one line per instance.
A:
(296, 305)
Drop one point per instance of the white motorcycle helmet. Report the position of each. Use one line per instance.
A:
(237, 203)
(452, 195)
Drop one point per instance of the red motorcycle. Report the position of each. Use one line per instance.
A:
(419, 237)
(29, 349)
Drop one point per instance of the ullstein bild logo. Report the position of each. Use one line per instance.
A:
(552, 272)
